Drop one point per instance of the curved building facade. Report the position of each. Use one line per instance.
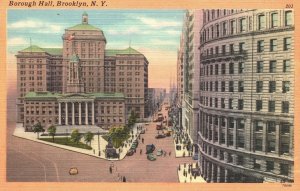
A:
(246, 105)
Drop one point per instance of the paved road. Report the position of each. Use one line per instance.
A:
(31, 161)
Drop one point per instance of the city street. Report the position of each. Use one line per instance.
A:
(31, 161)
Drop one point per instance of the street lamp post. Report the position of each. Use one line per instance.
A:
(99, 151)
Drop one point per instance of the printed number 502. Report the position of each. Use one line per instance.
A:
(289, 6)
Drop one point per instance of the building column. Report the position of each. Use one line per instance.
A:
(59, 113)
(73, 114)
(291, 138)
(204, 170)
(93, 113)
(277, 135)
(264, 138)
(79, 111)
(213, 128)
(66, 106)
(208, 171)
(213, 172)
(226, 131)
(234, 133)
(86, 113)
(226, 175)
(218, 174)
(219, 130)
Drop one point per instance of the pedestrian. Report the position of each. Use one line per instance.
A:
(170, 153)
(141, 151)
(165, 153)
(110, 169)
(134, 150)
(143, 140)
(124, 179)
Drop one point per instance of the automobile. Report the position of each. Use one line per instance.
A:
(166, 108)
(146, 123)
(130, 152)
(143, 131)
(167, 133)
(151, 157)
(159, 128)
(160, 136)
(134, 146)
(73, 171)
(150, 148)
(195, 171)
(159, 152)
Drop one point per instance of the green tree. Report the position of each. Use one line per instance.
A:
(88, 137)
(118, 135)
(75, 136)
(52, 131)
(37, 128)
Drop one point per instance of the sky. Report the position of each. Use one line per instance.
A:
(155, 33)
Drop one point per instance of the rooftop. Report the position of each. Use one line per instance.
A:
(35, 48)
(84, 27)
(114, 52)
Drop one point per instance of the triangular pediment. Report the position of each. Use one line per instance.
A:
(76, 95)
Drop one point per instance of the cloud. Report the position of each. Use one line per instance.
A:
(16, 41)
(37, 25)
(156, 24)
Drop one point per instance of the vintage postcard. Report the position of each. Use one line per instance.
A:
(148, 95)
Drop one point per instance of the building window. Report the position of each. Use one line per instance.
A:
(232, 27)
(241, 47)
(241, 67)
(258, 144)
(272, 66)
(231, 49)
(287, 43)
(285, 86)
(271, 146)
(241, 86)
(216, 102)
(224, 28)
(258, 105)
(243, 25)
(210, 102)
(230, 103)
(285, 129)
(270, 166)
(285, 107)
(223, 49)
(223, 86)
(223, 68)
(222, 103)
(271, 126)
(259, 86)
(216, 69)
(273, 45)
(240, 160)
(272, 86)
(217, 30)
(286, 65)
(217, 50)
(231, 68)
(274, 20)
(211, 69)
(241, 141)
(256, 164)
(260, 46)
(284, 169)
(271, 106)
(261, 22)
(216, 86)
(288, 18)
(240, 104)
(260, 66)
(231, 86)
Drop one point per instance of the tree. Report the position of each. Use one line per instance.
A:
(37, 128)
(75, 136)
(52, 131)
(118, 135)
(88, 137)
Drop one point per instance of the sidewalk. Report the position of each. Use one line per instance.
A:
(183, 152)
(188, 178)
(20, 132)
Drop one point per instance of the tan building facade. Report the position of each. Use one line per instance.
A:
(246, 96)
(83, 65)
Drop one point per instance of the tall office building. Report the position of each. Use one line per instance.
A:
(247, 96)
(86, 69)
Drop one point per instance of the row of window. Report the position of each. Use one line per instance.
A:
(216, 86)
(239, 25)
(214, 102)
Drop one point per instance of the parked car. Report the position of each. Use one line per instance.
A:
(143, 131)
(160, 136)
(167, 133)
(159, 152)
(73, 171)
(130, 152)
(150, 148)
(151, 157)
(146, 123)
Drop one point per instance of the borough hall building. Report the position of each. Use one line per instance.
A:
(82, 83)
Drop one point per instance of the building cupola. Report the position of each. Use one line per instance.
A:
(85, 18)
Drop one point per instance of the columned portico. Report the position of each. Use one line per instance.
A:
(81, 110)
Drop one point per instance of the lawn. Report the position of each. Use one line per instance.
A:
(67, 142)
